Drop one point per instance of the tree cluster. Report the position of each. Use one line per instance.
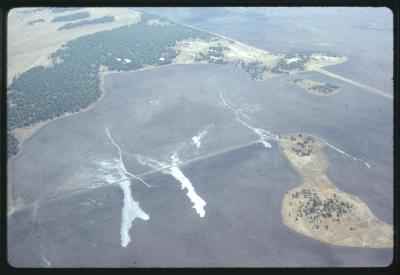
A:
(71, 17)
(314, 209)
(72, 25)
(33, 22)
(326, 88)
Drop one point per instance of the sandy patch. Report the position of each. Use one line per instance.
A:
(319, 209)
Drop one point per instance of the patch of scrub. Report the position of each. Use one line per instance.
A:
(319, 209)
(315, 87)
(131, 209)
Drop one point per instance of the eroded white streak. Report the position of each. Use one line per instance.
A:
(174, 170)
(131, 209)
(130, 212)
(263, 134)
(348, 155)
(46, 261)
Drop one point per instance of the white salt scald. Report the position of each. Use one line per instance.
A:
(174, 170)
(130, 209)
(130, 212)
(198, 202)
(197, 139)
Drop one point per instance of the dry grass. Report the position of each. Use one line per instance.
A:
(318, 60)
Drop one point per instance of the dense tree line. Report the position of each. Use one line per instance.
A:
(12, 144)
(71, 17)
(104, 19)
(33, 22)
(30, 10)
(60, 10)
(43, 93)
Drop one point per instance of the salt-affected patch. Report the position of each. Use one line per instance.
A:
(46, 261)
(197, 139)
(131, 209)
(130, 212)
(121, 161)
(263, 134)
(127, 60)
(157, 165)
(198, 202)
(103, 173)
(174, 170)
